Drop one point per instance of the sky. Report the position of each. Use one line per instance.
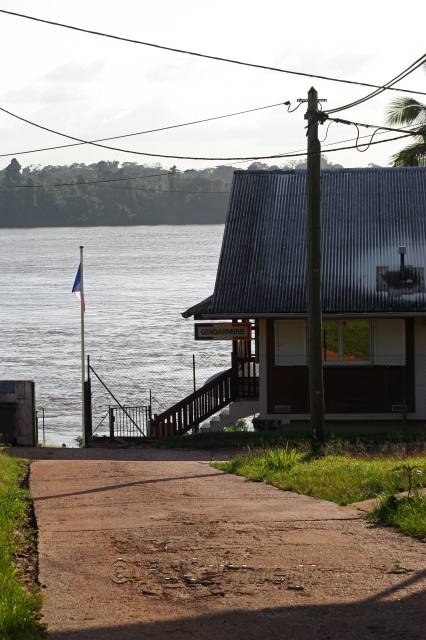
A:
(91, 87)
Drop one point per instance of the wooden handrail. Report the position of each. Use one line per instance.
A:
(195, 408)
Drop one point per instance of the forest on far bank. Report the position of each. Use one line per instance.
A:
(127, 197)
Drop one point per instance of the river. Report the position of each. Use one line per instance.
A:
(137, 282)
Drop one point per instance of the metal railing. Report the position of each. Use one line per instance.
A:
(129, 422)
(40, 417)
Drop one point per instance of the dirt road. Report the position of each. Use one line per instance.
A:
(144, 544)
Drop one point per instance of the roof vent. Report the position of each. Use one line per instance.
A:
(402, 251)
(406, 280)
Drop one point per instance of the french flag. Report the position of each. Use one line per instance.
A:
(77, 288)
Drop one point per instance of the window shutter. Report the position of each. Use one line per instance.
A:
(290, 342)
(389, 342)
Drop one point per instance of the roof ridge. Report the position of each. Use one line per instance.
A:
(330, 170)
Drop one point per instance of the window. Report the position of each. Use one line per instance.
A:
(347, 341)
(330, 341)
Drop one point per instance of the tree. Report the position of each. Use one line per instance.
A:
(408, 111)
(13, 173)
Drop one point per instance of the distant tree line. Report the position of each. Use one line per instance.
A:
(193, 196)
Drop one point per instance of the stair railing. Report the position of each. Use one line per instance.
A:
(195, 408)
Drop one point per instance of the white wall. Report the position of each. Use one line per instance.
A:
(290, 342)
(389, 342)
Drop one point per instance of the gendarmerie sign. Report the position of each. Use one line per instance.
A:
(223, 331)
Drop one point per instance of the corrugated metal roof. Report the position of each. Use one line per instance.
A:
(366, 215)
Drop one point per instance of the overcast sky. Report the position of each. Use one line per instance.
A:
(92, 87)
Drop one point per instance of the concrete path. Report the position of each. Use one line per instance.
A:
(148, 544)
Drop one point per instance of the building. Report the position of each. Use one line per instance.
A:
(373, 286)
(18, 424)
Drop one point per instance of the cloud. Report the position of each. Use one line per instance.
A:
(75, 72)
(325, 62)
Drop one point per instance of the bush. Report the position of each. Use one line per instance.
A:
(240, 426)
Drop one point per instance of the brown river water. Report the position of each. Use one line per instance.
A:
(137, 282)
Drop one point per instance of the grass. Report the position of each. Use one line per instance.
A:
(244, 440)
(19, 608)
(337, 477)
(407, 514)
(225, 440)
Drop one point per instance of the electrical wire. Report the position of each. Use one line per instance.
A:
(137, 133)
(414, 132)
(203, 193)
(145, 153)
(276, 156)
(120, 149)
(357, 125)
(296, 107)
(326, 132)
(89, 182)
(388, 85)
(368, 144)
(201, 55)
(16, 153)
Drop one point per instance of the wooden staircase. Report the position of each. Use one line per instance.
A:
(195, 408)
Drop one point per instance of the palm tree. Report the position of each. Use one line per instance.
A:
(408, 111)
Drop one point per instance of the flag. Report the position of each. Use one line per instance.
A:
(77, 288)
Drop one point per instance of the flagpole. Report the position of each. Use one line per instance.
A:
(83, 431)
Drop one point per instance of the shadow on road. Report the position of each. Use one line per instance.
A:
(124, 485)
(374, 618)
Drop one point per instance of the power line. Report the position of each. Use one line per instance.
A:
(160, 155)
(16, 153)
(277, 156)
(129, 151)
(136, 133)
(202, 55)
(414, 132)
(357, 125)
(204, 193)
(388, 85)
(109, 147)
(329, 144)
(89, 182)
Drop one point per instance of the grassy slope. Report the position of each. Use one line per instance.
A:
(408, 515)
(19, 609)
(339, 478)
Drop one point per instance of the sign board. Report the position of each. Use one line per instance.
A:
(223, 331)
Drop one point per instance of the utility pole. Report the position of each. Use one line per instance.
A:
(313, 269)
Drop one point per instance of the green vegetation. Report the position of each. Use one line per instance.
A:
(346, 340)
(394, 443)
(177, 198)
(238, 426)
(226, 440)
(19, 609)
(408, 111)
(341, 478)
(407, 514)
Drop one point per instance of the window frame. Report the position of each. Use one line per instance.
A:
(341, 362)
